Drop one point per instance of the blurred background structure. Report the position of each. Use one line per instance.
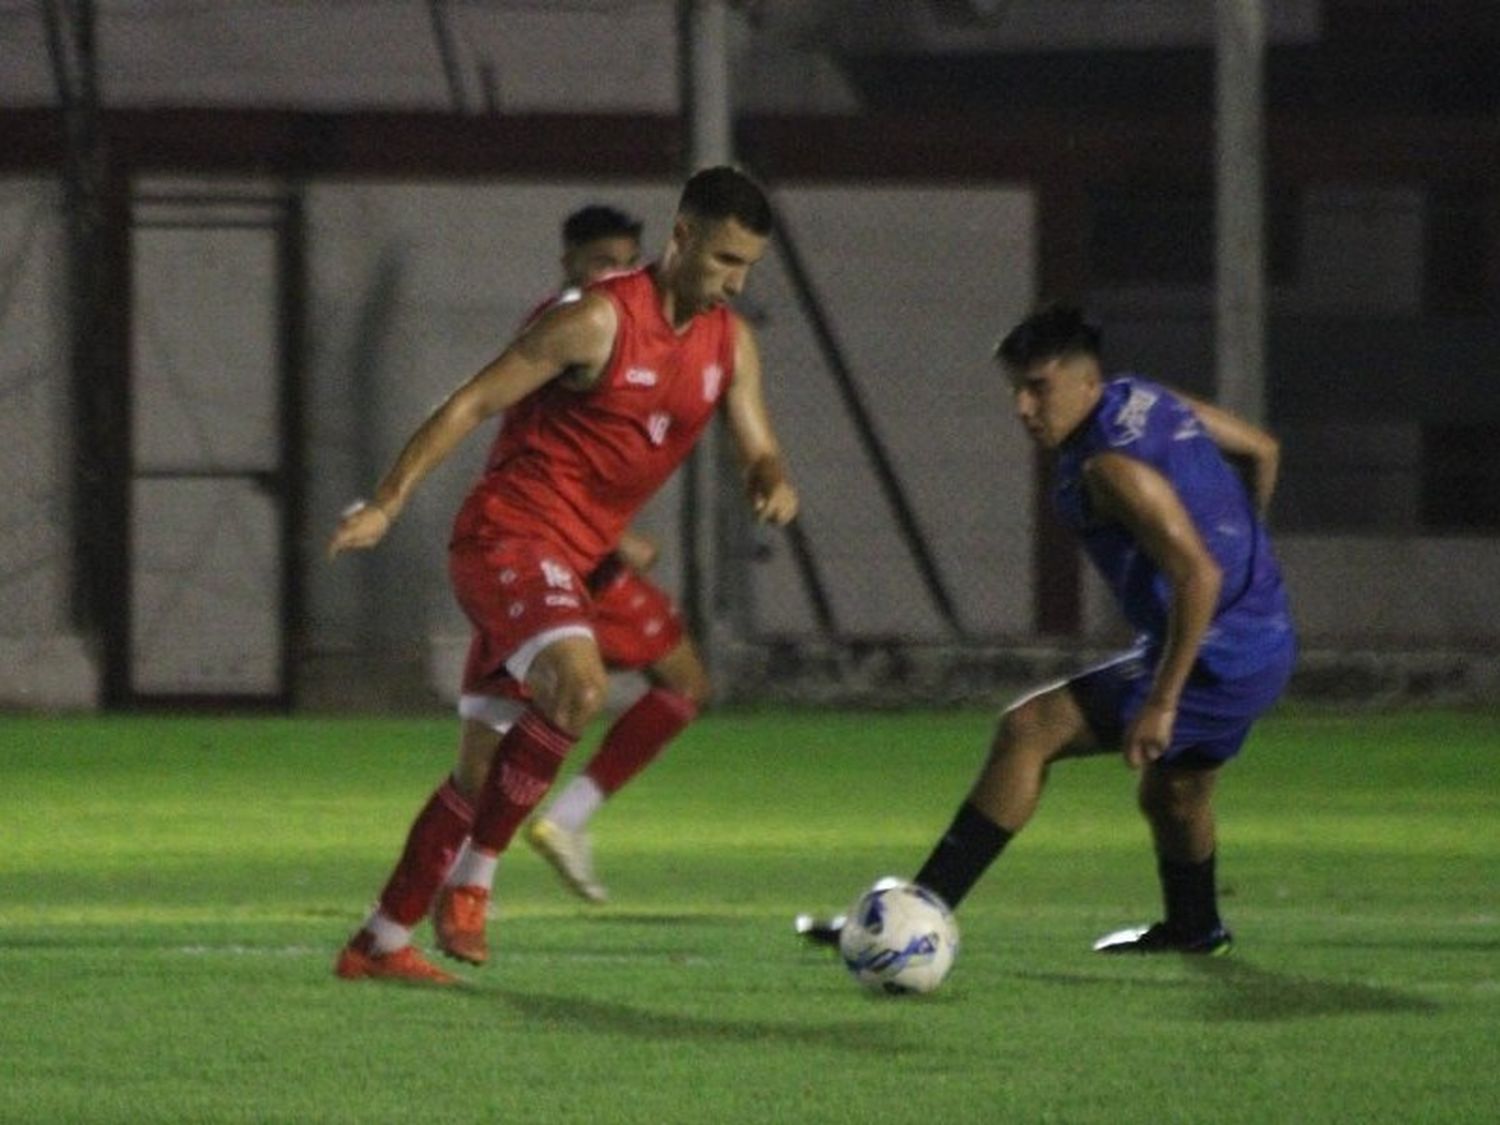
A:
(246, 245)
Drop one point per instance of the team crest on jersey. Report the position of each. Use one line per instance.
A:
(713, 379)
(1131, 420)
(640, 377)
(657, 426)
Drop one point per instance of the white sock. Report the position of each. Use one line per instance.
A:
(388, 935)
(473, 868)
(578, 801)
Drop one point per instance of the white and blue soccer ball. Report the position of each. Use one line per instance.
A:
(898, 938)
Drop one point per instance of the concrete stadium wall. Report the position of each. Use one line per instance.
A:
(42, 663)
(414, 285)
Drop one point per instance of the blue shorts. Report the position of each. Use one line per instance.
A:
(1213, 716)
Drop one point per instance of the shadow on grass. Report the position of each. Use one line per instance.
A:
(588, 1015)
(1421, 944)
(1232, 989)
(1247, 992)
(643, 918)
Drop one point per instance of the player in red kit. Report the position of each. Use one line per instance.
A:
(603, 397)
(635, 621)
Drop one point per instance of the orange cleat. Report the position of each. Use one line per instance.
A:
(458, 923)
(405, 964)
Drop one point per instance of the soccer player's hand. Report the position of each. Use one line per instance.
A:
(772, 498)
(1148, 737)
(639, 551)
(777, 505)
(362, 527)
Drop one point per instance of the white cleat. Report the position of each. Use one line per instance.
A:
(570, 854)
(819, 931)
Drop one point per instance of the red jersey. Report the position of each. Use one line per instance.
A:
(572, 467)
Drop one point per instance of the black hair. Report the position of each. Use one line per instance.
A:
(723, 192)
(598, 221)
(1053, 331)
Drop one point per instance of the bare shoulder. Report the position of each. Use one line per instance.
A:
(590, 311)
(573, 334)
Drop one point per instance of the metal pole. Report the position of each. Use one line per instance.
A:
(706, 100)
(1239, 298)
(100, 500)
(715, 582)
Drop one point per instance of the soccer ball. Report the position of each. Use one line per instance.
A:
(899, 937)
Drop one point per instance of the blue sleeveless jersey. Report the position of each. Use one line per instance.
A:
(1140, 419)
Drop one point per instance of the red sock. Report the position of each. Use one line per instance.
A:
(431, 844)
(638, 736)
(526, 763)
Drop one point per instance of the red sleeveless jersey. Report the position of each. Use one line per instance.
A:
(572, 467)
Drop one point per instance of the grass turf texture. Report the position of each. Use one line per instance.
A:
(173, 892)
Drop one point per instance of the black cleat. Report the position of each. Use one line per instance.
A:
(1159, 938)
(819, 931)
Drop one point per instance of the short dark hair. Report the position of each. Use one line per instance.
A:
(723, 192)
(1053, 331)
(598, 221)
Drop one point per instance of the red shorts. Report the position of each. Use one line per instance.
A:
(519, 597)
(635, 622)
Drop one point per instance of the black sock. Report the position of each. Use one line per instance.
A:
(1190, 896)
(970, 845)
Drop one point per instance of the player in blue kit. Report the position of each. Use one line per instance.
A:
(1143, 476)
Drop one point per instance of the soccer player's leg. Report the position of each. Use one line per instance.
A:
(533, 613)
(637, 627)
(487, 718)
(1177, 801)
(1214, 717)
(1041, 728)
(567, 680)
(381, 947)
(432, 844)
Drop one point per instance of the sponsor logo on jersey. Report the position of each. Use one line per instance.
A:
(1131, 420)
(640, 376)
(713, 379)
(561, 599)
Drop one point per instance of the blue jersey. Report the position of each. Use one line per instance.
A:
(1251, 625)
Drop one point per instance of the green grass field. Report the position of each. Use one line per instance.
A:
(173, 892)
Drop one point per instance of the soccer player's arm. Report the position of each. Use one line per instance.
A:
(1134, 494)
(573, 338)
(772, 497)
(1247, 446)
